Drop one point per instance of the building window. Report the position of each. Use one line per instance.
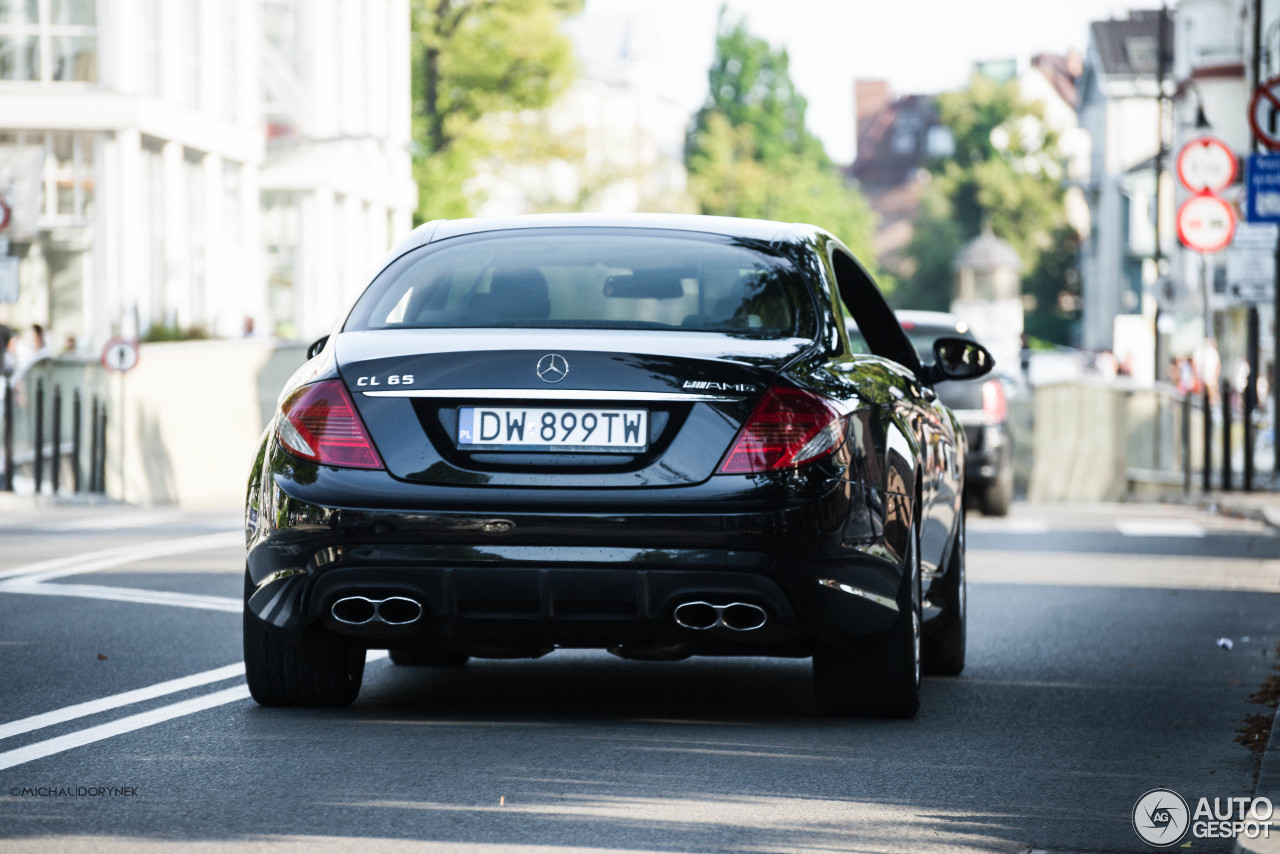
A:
(148, 32)
(49, 41)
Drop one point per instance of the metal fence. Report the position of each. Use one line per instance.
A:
(55, 417)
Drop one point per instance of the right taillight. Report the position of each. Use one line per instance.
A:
(788, 428)
(319, 423)
(995, 406)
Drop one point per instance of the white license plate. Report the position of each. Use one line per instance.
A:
(535, 428)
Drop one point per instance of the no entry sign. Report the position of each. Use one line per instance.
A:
(1206, 224)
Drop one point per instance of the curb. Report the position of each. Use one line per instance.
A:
(1227, 505)
(1268, 787)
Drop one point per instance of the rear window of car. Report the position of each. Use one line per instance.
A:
(597, 279)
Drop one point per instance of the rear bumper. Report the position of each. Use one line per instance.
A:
(823, 559)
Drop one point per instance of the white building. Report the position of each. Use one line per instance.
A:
(202, 163)
(1118, 108)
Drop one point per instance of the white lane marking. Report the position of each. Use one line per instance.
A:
(1009, 526)
(228, 604)
(63, 743)
(80, 738)
(120, 555)
(113, 521)
(115, 701)
(1158, 528)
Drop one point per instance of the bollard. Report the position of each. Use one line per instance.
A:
(1226, 436)
(75, 441)
(1186, 444)
(39, 437)
(1206, 468)
(8, 434)
(55, 428)
(94, 446)
(102, 459)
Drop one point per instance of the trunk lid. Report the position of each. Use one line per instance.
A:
(677, 399)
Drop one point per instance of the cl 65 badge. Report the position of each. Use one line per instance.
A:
(393, 379)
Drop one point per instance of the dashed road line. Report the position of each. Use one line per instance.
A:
(115, 701)
(63, 743)
(1158, 528)
(100, 732)
(226, 604)
(46, 570)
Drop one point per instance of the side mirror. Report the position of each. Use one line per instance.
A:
(959, 359)
(316, 346)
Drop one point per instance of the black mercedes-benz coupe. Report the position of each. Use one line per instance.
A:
(646, 434)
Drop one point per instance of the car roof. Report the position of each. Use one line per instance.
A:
(756, 229)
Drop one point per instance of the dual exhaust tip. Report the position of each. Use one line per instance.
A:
(363, 611)
(403, 611)
(735, 616)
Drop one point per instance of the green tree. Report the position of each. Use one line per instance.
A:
(1005, 173)
(473, 60)
(751, 154)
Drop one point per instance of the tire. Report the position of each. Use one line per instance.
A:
(998, 494)
(427, 658)
(321, 670)
(881, 679)
(944, 637)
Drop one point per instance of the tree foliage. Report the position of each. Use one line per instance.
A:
(474, 59)
(1005, 173)
(751, 154)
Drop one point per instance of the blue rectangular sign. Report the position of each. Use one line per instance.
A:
(1262, 188)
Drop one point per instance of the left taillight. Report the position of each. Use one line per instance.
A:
(319, 423)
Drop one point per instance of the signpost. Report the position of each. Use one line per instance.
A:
(120, 355)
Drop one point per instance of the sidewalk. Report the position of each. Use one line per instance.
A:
(1263, 507)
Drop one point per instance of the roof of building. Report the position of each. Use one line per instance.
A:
(1062, 72)
(1128, 46)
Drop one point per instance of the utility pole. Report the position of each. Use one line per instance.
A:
(1162, 57)
(1253, 310)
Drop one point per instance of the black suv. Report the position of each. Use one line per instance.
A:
(980, 405)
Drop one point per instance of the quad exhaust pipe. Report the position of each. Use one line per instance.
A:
(735, 616)
(392, 611)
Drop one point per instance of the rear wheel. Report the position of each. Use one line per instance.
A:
(427, 658)
(320, 670)
(944, 638)
(881, 679)
(998, 495)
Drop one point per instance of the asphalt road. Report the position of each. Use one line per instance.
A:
(1095, 675)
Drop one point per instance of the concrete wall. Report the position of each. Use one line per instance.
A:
(1091, 437)
(191, 415)
(188, 418)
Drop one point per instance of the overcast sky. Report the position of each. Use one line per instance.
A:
(919, 46)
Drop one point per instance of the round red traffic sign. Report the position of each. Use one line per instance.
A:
(1206, 164)
(6, 213)
(1206, 223)
(1264, 113)
(120, 354)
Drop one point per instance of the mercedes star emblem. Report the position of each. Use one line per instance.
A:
(552, 368)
